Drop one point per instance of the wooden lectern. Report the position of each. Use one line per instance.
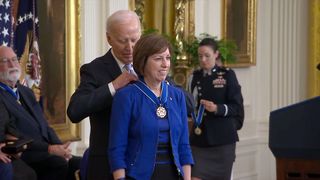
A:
(294, 139)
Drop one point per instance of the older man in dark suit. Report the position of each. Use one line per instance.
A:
(11, 166)
(100, 79)
(46, 155)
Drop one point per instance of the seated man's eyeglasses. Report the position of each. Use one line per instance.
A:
(5, 60)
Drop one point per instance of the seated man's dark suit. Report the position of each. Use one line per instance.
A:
(17, 169)
(30, 122)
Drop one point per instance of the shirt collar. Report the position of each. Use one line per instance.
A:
(209, 73)
(120, 64)
(14, 88)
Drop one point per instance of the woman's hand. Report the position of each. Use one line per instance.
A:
(186, 172)
(209, 105)
(119, 174)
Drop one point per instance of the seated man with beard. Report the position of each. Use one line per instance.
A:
(49, 158)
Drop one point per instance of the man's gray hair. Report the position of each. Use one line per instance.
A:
(121, 16)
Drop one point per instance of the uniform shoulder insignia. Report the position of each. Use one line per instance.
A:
(198, 71)
(224, 69)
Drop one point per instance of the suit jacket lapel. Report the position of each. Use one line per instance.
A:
(112, 65)
(14, 106)
(35, 115)
(24, 96)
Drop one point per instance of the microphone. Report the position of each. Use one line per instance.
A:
(318, 67)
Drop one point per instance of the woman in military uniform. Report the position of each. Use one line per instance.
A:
(220, 114)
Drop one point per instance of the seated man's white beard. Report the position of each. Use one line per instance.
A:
(11, 75)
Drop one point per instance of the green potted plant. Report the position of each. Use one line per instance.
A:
(226, 48)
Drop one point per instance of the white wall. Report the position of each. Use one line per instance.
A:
(278, 78)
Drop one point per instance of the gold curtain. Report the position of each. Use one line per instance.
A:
(159, 15)
(314, 49)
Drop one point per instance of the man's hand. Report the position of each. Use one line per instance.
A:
(4, 157)
(11, 138)
(209, 105)
(124, 79)
(61, 150)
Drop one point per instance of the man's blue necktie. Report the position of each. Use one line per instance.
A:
(129, 68)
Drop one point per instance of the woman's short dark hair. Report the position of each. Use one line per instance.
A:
(147, 46)
(209, 42)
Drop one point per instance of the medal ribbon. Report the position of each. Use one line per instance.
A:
(149, 94)
(9, 90)
(198, 119)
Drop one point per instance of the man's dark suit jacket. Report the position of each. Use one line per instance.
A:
(93, 99)
(32, 124)
(7, 126)
(21, 171)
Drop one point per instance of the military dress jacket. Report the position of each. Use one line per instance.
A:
(220, 86)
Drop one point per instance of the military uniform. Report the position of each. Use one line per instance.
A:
(218, 129)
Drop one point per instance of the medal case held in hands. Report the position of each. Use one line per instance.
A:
(16, 146)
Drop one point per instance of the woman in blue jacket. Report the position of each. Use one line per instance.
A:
(148, 128)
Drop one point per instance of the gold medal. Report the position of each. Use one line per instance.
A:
(161, 112)
(197, 131)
